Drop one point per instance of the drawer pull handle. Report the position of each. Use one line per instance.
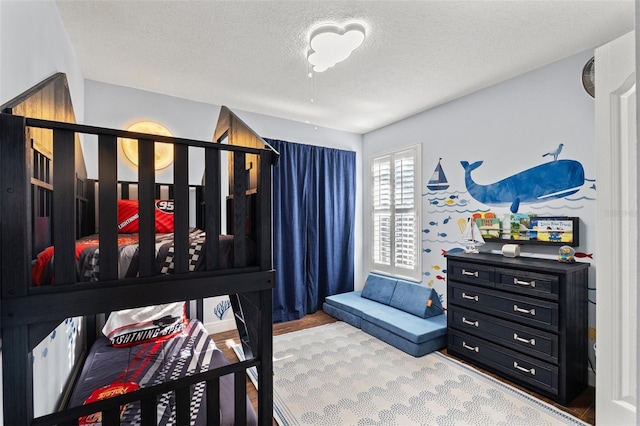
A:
(471, 348)
(531, 371)
(466, 321)
(472, 274)
(531, 311)
(532, 342)
(527, 283)
(466, 296)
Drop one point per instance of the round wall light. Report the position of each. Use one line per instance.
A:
(163, 151)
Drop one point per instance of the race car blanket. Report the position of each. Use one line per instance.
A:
(110, 371)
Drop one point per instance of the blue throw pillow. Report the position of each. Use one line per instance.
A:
(416, 299)
(379, 288)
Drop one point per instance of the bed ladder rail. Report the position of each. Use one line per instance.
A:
(241, 325)
(253, 313)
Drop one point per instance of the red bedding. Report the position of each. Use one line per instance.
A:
(87, 256)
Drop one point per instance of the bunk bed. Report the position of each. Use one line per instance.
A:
(49, 205)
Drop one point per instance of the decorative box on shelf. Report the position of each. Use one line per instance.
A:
(522, 318)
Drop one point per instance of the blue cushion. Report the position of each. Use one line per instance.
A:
(342, 315)
(351, 302)
(379, 288)
(405, 325)
(415, 298)
(415, 349)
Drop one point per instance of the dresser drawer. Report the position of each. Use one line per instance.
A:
(531, 283)
(512, 307)
(541, 376)
(471, 273)
(524, 339)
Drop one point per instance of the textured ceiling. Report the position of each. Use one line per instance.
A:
(250, 55)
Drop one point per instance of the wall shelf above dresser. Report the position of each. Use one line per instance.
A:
(522, 318)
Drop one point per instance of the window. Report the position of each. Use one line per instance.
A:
(395, 209)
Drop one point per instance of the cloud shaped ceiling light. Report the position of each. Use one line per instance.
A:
(331, 44)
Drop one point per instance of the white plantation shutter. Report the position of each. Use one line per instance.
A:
(382, 238)
(395, 210)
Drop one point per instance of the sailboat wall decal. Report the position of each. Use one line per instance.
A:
(438, 181)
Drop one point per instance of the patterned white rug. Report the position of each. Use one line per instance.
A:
(336, 374)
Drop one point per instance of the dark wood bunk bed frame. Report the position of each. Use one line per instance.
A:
(40, 203)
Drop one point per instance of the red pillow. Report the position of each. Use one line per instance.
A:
(128, 216)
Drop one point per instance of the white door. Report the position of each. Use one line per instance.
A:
(616, 232)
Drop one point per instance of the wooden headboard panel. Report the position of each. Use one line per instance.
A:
(239, 134)
(48, 100)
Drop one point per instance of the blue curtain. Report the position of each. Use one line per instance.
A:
(313, 227)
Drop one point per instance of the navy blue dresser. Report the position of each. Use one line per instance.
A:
(522, 318)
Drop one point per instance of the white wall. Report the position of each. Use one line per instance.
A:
(118, 107)
(509, 127)
(33, 46)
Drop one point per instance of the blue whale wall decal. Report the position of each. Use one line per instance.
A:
(555, 179)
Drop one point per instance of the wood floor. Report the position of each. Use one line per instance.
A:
(582, 407)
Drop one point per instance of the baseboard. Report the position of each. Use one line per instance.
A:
(220, 326)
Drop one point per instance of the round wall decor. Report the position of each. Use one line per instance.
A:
(588, 78)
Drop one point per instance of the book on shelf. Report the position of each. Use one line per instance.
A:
(520, 226)
(489, 227)
(553, 229)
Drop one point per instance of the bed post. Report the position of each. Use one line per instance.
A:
(15, 250)
(265, 257)
(17, 376)
(265, 369)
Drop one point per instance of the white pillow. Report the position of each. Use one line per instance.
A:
(139, 325)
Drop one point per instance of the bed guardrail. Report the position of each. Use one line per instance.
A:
(111, 408)
(17, 227)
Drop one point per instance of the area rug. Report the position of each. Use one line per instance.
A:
(336, 374)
